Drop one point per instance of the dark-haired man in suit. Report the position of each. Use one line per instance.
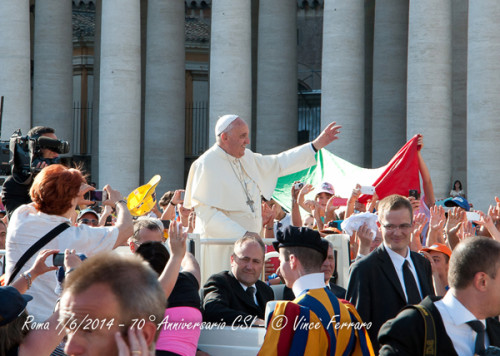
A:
(391, 276)
(238, 297)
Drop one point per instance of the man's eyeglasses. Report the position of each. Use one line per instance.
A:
(92, 222)
(402, 227)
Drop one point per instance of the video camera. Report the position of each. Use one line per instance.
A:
(25, 154)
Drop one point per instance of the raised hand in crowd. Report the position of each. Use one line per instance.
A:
(306, 189)
(296, 218)
(177, 244)
(351, 202)
(419, 222)
(71, 260)
(495, 212)
(315, 210)
(429, 196)
(85, 188)
(454, 228)
(177, 240)
(364, 236)
(436, 225)
(415, 205)
(169, 212)
(467, 230)
(123, 218)
(296, 190)
(104, 215)
(372, 203)
(267, 215)
(23, 283)
(486, 222)
(330, 209)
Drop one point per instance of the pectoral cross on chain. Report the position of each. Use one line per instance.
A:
(238, 171)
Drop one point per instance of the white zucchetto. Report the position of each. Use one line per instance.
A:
(223, 122)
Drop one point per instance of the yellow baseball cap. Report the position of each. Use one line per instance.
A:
(143, 199)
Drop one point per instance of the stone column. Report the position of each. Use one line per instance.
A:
(277, 76)
(459, 92)
(389, 79)
(483, 106)
(94, 167)
(429, 99)
(165, 94)
(342, 79)
(53, 68)
(15, 84)
(230, 62)
(120, 95)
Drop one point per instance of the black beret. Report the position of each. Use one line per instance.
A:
(301, 237)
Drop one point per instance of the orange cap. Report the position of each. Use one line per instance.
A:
(439, 248)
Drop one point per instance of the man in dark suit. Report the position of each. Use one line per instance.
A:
(391, 276)
(474, 276)
(238, 297)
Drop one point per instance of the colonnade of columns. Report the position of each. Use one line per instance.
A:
(431, 74)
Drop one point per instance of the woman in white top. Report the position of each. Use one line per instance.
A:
(55, 193)
(456, 190)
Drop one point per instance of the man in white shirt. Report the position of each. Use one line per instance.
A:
(225, 185)
(465, 318)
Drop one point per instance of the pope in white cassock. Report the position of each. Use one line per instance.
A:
(226, 183)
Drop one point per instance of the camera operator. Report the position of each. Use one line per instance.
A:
(15, 190)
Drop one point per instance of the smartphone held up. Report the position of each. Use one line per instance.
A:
(96, 195)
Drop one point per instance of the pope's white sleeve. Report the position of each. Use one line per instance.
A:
(218, 224)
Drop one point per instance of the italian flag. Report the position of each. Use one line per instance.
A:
(397, 177)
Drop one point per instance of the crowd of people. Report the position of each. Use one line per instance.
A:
(82, 278)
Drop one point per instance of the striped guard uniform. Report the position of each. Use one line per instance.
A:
(315, 323)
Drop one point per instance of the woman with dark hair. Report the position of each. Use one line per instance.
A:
(456, 190)
(55, 192)
(180, 333)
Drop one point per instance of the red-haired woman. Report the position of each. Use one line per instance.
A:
(55, 192)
